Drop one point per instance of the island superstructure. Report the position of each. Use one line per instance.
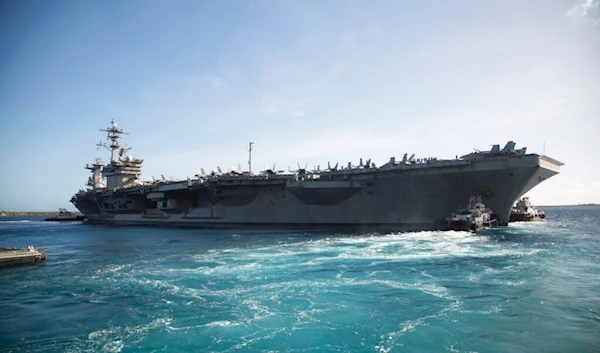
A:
(406, 193)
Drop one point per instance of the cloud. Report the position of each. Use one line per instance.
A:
(298, 113)
(585, 11)
(291, 86)
(288, 87)
(277, 105)
(374, 28)
(217, 83)
(271, 104)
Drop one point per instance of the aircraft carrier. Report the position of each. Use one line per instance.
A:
(403, 194)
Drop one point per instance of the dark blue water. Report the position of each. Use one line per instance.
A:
(529, 287)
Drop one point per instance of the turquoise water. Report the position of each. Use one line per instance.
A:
(529, 287)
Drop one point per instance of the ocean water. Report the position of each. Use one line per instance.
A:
(528, 287)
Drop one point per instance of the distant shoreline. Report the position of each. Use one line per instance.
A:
(76, 213)
(32, 214)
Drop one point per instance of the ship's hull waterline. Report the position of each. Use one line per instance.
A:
(404, 196)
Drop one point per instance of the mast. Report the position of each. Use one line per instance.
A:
(544, 150)
(113, 135)
(250, 157)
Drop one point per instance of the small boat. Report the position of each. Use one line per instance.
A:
(524, 211)
(65, 216)
(475, 217)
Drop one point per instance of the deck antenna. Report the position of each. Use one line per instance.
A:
(544, 150)
(250, 157)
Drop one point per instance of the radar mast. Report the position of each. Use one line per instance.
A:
(250, 157)
(123, 170)
(114, 134)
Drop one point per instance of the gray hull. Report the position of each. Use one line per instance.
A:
(402, 196)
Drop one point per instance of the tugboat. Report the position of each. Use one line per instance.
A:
(65, 216)
(524, 211)
(475, 217)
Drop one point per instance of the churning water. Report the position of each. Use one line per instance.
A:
(528, 287)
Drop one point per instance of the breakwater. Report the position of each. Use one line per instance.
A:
(14, 256)
(32, 214)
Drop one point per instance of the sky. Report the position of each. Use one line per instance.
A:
(307, 81)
